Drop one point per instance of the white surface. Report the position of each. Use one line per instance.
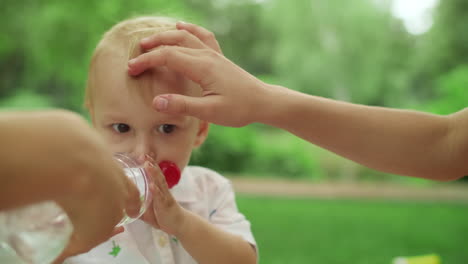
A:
(416, 14)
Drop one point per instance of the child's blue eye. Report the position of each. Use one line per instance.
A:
(121, 128)
(166, 128)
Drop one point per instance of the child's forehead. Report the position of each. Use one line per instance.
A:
(111, 76)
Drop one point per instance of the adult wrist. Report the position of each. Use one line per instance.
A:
(272, 104)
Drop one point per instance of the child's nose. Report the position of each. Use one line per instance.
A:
(149, 156)
(144, 148)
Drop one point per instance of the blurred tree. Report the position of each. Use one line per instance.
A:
(348, 50)
(442, 50)
(451, 92)
(240, 31)
(445, 46)
(47, 44)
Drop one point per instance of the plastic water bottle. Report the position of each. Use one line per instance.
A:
(38, 233)
(33, 234)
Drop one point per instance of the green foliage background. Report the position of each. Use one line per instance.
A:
(348, 50)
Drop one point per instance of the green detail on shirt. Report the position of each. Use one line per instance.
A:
(115, 249)
(175, 240)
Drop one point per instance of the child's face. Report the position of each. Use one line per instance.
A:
(121, 112)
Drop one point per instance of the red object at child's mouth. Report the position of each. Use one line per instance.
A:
(171, 172)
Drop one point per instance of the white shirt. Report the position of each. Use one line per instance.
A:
(201, 191)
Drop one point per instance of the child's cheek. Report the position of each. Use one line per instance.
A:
(119, 145)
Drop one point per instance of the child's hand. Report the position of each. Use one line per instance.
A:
(164, 212)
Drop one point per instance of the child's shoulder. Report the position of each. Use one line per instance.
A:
(206, 177)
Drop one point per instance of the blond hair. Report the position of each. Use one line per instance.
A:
(125, 35)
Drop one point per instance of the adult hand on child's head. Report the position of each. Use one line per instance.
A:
(164, 212)
(230, 94)
(187, 35)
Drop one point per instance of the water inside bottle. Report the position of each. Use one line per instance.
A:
(34, 234)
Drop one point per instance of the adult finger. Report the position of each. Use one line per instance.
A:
(188, 62)
(201, 33)
(133, 201)
(199, 107)
(117, 230)
(125, 193)
(172, 37)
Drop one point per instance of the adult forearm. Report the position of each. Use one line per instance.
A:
(395, 141)
(217, 246)
(25, 176)
(19, 182)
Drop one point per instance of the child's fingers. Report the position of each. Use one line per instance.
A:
(157, 176)
(162, 196)
(149, 217)
(150, 159)
(158, 205)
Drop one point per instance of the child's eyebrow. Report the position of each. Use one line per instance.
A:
(161, 118)
(172, 119)
(113, 116)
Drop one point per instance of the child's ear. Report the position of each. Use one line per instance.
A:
(91, 113)
(203, 128)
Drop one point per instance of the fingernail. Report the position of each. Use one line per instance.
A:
(149, 158)
(144, 41)
(149, 164)
(132, 62)
(161, 103)
(180, 24)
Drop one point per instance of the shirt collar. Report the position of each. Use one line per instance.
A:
(184, 191)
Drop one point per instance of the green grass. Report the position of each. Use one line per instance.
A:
(25, 100)
(293, 231)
